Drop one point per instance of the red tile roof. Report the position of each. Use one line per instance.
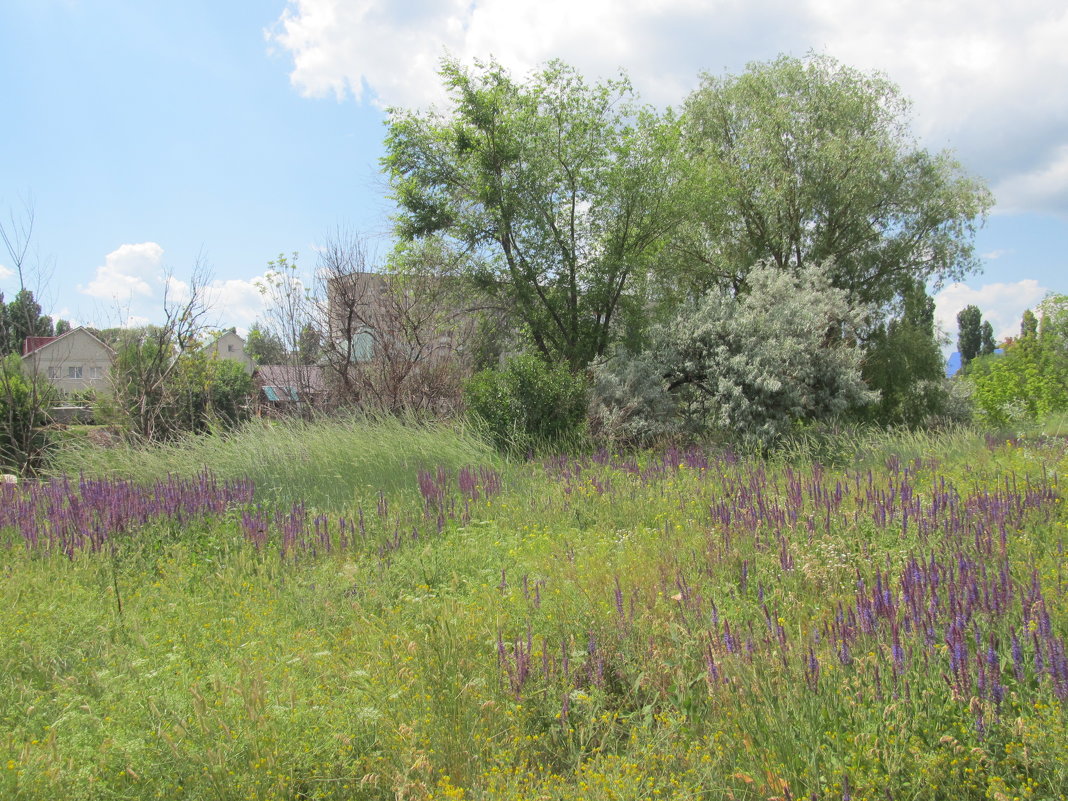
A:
(34, 343)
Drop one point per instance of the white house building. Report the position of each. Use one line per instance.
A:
(72, 362)
(229, 345)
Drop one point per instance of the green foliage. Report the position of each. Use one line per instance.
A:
(630, 406)
(969, 333)
(264, 347)
(24, 319)
(208, 392)
(528, 404)
(159, 394)
(309, 345)
(560, 187)
(1029, 380)
(755, 365)
(986, 339)
(904, 363)
(806, 161)
(23, 401)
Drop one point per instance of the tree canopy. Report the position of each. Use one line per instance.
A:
(560, 189)
(264, 346)
(805, 160)
(904, 363)
(969, 333)
(22, 319)
(1030, 380)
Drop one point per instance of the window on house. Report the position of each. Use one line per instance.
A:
(74, 372)
(96, 372)
(229, 348)
(53, 372)
(362, 346)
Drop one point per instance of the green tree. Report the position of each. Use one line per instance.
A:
(904, 363)
(25, 320)
(969, 333)
(1030, 380)
(22, 404)
(986, 339)
(147, 359)
(309, 345)
(24, 397)
(206, 392)
(6, 345)
(528, 403)
(561, 189)
(806, 161)
(1028, 326)
(264, 346)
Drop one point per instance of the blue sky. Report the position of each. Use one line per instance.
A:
(147, 134)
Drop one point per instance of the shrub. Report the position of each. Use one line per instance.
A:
(528, 404)
(23, 404)
(1029, 380)
(756, 364)
(629, 403)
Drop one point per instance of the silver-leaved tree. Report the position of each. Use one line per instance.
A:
(751, 365)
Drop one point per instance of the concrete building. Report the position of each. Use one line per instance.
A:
(73, 362)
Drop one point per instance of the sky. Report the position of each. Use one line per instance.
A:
(150, 138)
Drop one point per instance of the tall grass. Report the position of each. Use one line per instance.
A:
(852, 444)
(327, 463)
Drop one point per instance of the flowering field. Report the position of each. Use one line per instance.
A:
(679, 624)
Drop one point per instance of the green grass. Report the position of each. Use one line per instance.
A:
(328, 463)
(377, 673)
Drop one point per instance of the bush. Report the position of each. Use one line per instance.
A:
(1029, 381)
(629, 404)
(23, 404)
(755, 365)
(528, 404)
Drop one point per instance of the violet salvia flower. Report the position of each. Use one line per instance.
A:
(713, 670)
(1017, 657)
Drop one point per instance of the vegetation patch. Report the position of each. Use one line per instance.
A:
(675, 623)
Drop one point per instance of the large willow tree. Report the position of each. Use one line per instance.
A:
(806, 161)
(559, 189)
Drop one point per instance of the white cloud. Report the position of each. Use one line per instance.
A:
(987, 78)
(389, 53)
(235, 302)
(5, 272)
(177, 290)
(1002, 304)
(1040, 188)
(129, 271)
(996, 254)
(134, 321)
(134, 280)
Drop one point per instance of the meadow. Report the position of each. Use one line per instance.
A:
(390, 610)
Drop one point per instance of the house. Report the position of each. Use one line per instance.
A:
(72, 362)
(229, 345)
(284, 388)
